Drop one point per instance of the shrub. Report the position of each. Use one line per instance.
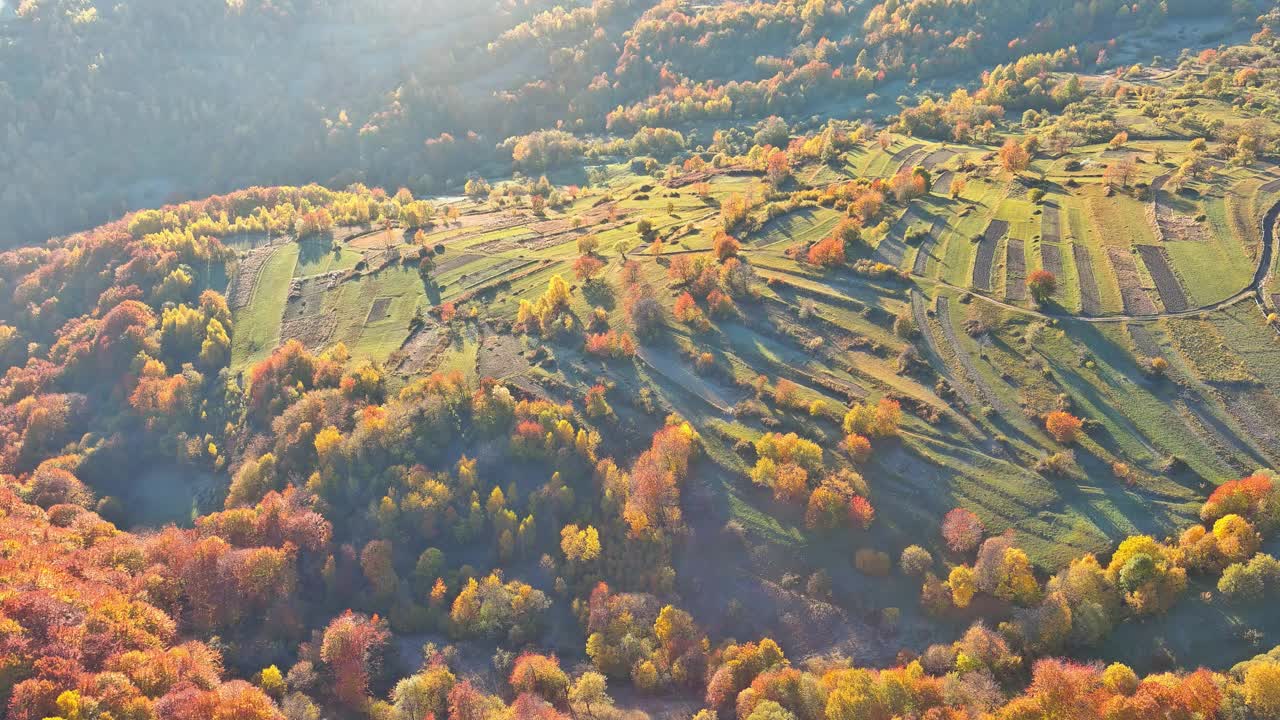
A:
(828, 252)
(858, 447)
(915, 561)
(1063, 426)
(962, 530)
(872, 562)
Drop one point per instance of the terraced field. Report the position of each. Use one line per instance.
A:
(977, 367)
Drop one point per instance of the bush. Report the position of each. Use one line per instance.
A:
(1063, 426)
(915, 561)
(872, 562)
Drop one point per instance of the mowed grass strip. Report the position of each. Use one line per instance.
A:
(257, 324)
(372, 312)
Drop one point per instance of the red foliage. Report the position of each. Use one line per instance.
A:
(273, 383)
(962, 530)
(352, 648)
(861, 513)
(1254, 488)
(725, 246)
(122, 333)
(586, 267)
(828, 252)
(611, 344)
(653, 496)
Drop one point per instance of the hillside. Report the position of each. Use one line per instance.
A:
(677, 373)
(214, 96)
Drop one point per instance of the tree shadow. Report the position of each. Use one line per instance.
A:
(599, 293)
(313, 249)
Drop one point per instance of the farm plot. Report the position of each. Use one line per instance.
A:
(939, 157)
(1241, 204)
(1256, 411)
(920, 265)
(807, 225)
(370, 314)
(973, 375)
(1133, 295)
(257, 320)
(1015, 286)
(246, 277)
(1143, 341)
(1174, 216)
(1051, 258)
(305, 318)
(905, 151)
(986, 255)
(1167, 285)
(942, 183)
(456, 261)
(420, 351)
(1051, 225)
(891, 250)
(911, 160)
(1090, 300)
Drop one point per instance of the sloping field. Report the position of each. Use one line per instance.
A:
(1015, 285)
(1167, 285)
(1090, 302)
(257, 321)
(985, 256)
(1125, 269)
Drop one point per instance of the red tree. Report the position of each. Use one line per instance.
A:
(962, 530)
(352, 648)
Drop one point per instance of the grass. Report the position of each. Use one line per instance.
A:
(975, 457)
(257, 324)
(316, 258)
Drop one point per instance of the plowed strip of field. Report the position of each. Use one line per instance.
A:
(1171, 292)
(1051, 256)
(420, 350)
(1015, 271)
(938, 157)
(456, 262)
(1051, 225)
(304, 317)
(1135, 297)
(1170, 224)
(963, 387)
(1090, 300)
(890, 251)
(1222, 439)
(378, 311)
(942, 183)
(986, 254)
(905, 151)
(912, 160)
